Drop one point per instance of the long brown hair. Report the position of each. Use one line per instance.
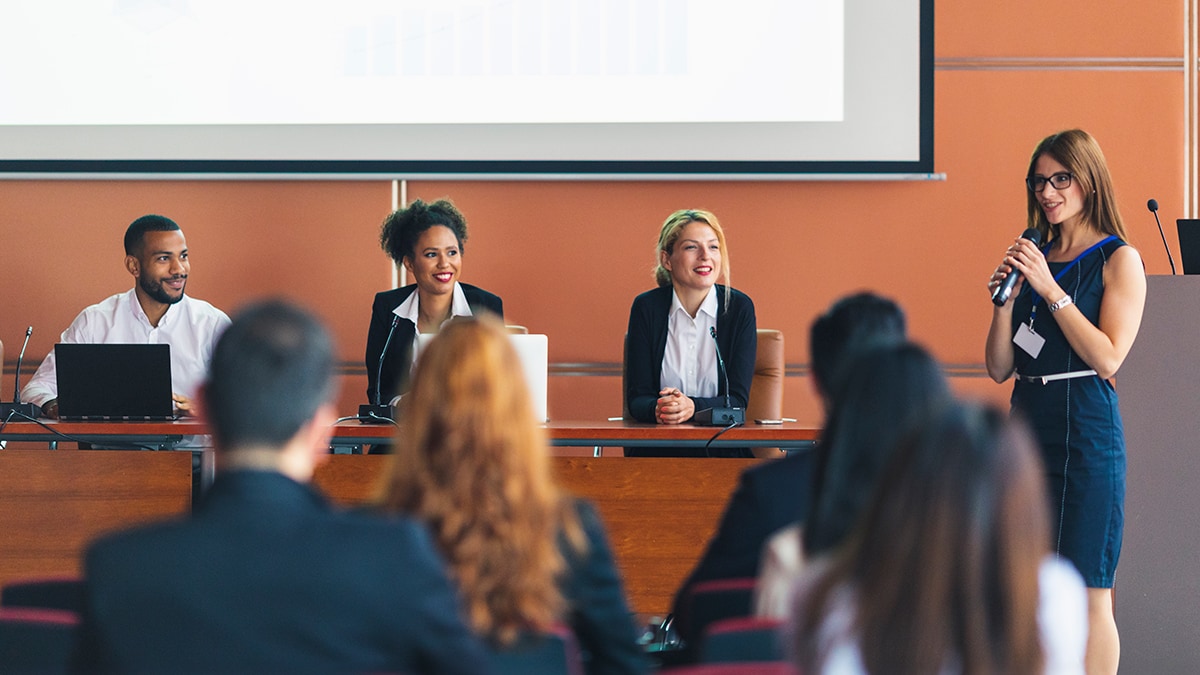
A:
(1076, 150)
(471, 461)
(943, 567)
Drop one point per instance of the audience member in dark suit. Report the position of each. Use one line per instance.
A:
(776, 494)
(265, 576)
(472, 462)
(671, 363)
(428, 240)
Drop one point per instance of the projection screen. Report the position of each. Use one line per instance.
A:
(411, 88)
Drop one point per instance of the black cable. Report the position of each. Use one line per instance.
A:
(717, 435)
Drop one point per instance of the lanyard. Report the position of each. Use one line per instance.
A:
(1033, 294)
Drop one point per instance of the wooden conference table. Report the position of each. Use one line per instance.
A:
(659, 512)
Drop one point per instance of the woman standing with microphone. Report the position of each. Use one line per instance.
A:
(1063, 334)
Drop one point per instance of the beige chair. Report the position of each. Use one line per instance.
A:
(766, 389)
(517, 330)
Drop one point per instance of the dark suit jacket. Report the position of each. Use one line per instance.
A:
(266, 577)
(770, 496)
(599, 615)
(398, 361)
(737, 335)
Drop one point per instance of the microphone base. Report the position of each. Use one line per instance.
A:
(719, 417)
(26, 409)
(376, 414)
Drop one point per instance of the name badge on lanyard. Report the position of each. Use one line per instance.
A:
(1028, 340)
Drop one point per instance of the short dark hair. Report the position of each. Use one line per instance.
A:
(135, 234)
(401, 229)
(271, 370)
(853, 324)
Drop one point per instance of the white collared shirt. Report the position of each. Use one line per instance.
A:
(410, 309)
(690, 359)
(190, 326)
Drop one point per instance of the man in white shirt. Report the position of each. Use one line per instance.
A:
(155, 311)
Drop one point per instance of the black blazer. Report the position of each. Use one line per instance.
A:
(769, 496)
(599, 615)
(398, 361)
(267, 577)
(737, 335)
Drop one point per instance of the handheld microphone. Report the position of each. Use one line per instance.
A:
(24, 409)
(1005, 289)
(377, 411)
(720, 416)
(1153, 206)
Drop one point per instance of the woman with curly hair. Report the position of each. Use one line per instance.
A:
(472, 462)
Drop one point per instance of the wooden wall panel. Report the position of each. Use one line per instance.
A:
(1039, 28)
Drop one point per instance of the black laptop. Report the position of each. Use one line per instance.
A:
(114, 382)
(1189, 244)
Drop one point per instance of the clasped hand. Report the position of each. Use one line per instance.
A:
(673, 407)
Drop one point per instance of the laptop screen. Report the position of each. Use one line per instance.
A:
(1189, 244)
(533, 351)
(114, 381)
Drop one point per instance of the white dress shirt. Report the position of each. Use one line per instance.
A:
(190, 326)
(690, 358)
(410, 309)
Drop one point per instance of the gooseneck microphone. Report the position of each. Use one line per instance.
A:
(718, 416)
(28, 410)
(378, 411)
(1153, 206)
(1004, 291)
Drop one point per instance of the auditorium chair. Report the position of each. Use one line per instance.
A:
(36, 640)
(706, 603)
(742, 639)
(556, 651)
(752, 668)
(61, 592)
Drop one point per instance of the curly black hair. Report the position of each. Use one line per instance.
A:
(401, 229)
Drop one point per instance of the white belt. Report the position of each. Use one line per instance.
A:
(1045, 379)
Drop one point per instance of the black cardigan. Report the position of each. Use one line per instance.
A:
(737, 335)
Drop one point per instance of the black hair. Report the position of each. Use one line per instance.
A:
(888, 393)
(271, 370)
(135, 234)
(401, 229)
(853, 324)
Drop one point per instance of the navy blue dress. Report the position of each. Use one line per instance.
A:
(1078, 425)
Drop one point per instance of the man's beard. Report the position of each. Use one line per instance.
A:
(155, 290)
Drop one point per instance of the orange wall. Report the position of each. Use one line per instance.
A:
(568, 257)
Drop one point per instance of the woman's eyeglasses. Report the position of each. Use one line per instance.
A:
(1060, 181)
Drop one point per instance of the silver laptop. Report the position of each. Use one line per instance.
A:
(534, 353)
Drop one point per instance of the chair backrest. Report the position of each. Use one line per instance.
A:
(516, 330)
(742, 639)
(555, 651)
(766, 389)
(752, 668)
(36, 640)
(708, 602)
(62, 593)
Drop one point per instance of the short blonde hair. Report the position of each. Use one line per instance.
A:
(672, 228)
